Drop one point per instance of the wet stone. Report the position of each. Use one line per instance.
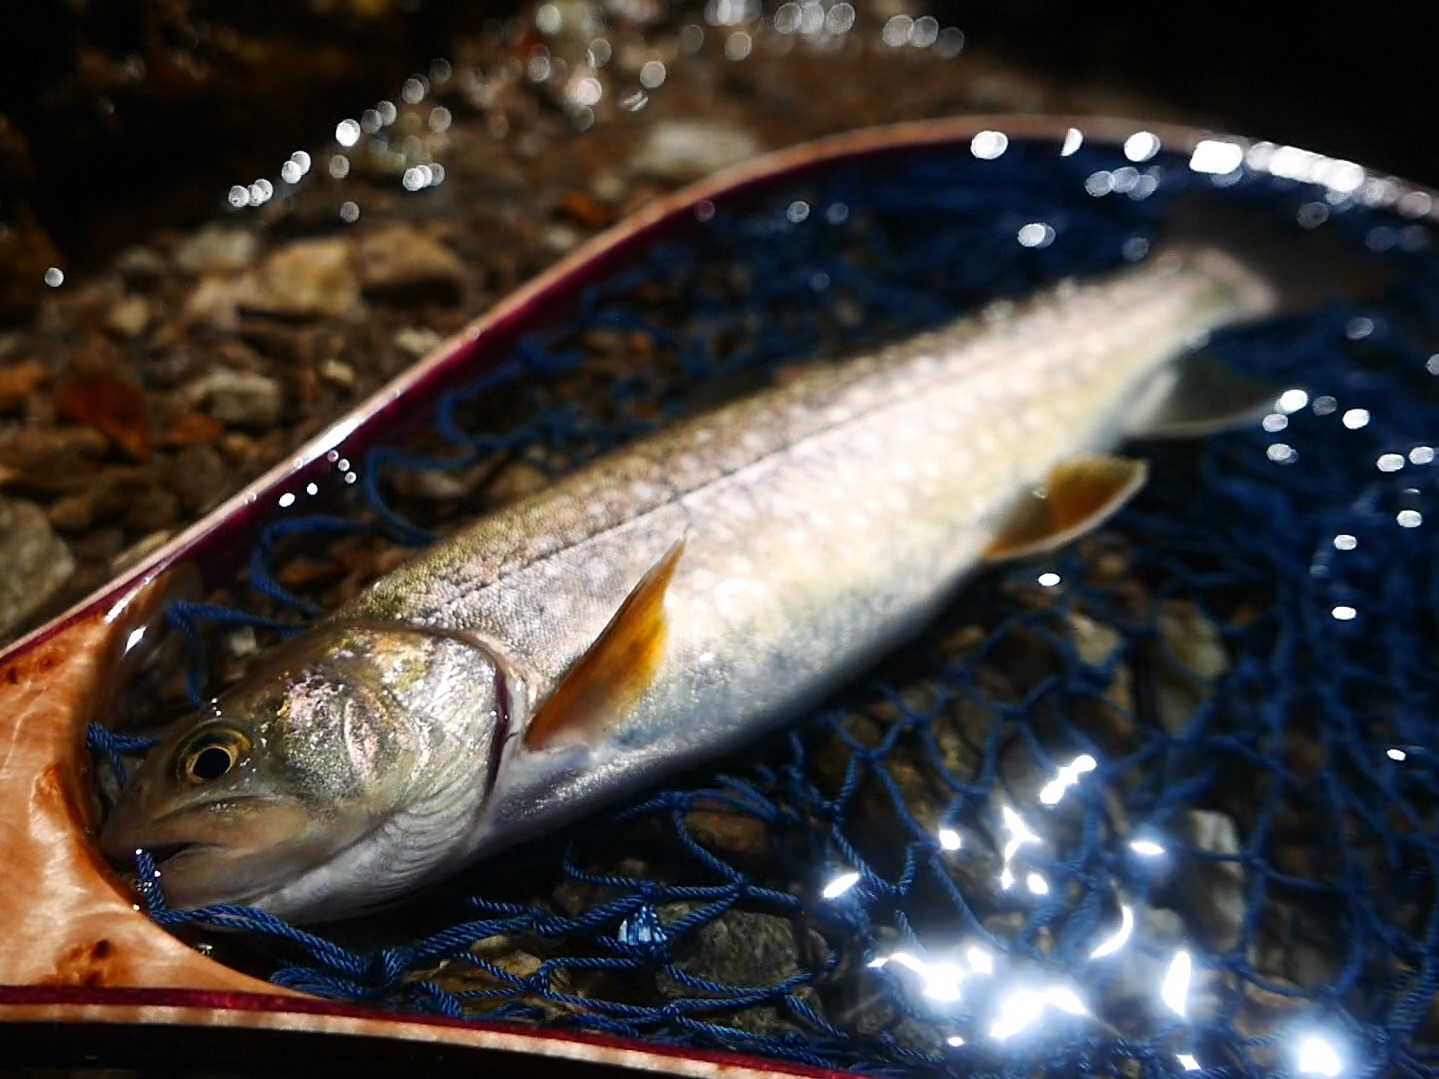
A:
(239, 398)
(112, 405)
(26, 252)
(19, 381)
(730, 833)
(215, 301)
(737, 947)
(56, 451)
(401, 263)
(1267, 1011)
(217, 249)
(307, 279)
(140, 265)
(1194, 656)
(191, 428)
(503, 962)
(199, 477)
(680, 150)
(1215, 890)
(878, 1013)
(152, 510)
(741, 948)
(36, 562)
(141, 549)
(108, 495)
(128, 316)
(1138, 968)
(416, 341)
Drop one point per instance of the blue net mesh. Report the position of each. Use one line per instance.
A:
(1163, 802)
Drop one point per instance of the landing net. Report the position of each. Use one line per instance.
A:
(1162, 802)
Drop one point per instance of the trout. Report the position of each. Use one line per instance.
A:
(675, 599)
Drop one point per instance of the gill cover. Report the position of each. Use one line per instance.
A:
(290, 792)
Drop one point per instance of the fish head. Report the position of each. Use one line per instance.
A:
(268, 796)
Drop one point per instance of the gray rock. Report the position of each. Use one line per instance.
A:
(36, 561)
(743, 948)
(738, 948)
(1294, 943)
(685, 149)
(1215, 891)
(1139, 967)
(141, 265)
(242, 398)
(308, 279)
(1195, 657)
(217, 249)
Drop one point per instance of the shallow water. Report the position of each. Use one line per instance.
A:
(1161, 799)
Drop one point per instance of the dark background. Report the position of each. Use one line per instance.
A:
(89, 158)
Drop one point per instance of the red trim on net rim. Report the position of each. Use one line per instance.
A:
(386, 1024)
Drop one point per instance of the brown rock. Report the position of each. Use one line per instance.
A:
(128, 316)
(19, 381)
(152, 509)
(192, 428)
(112, 405)
(110, 495)
(728, 832)
(56, 450)
(140, 265)
(400, 262)
(215, 301)
(307, 279)
(216, 249)
(199, 477)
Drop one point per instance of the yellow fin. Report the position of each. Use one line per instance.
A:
(614, 671)
(1078, 495)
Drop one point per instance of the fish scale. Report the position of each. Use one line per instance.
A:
(938, 433)
(801, 533)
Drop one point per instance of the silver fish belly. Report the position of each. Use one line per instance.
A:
(801, 533)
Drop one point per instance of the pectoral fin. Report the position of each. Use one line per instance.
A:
(1198, 396)
(614, 671)
(1078, 495)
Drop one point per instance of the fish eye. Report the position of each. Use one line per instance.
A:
(211, 754)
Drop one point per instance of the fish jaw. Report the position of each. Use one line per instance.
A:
(261, 847)
(295, 791)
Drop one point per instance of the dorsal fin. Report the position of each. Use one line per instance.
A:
(1078, 495)
(613, 672)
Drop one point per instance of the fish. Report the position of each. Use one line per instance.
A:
(676, 599)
